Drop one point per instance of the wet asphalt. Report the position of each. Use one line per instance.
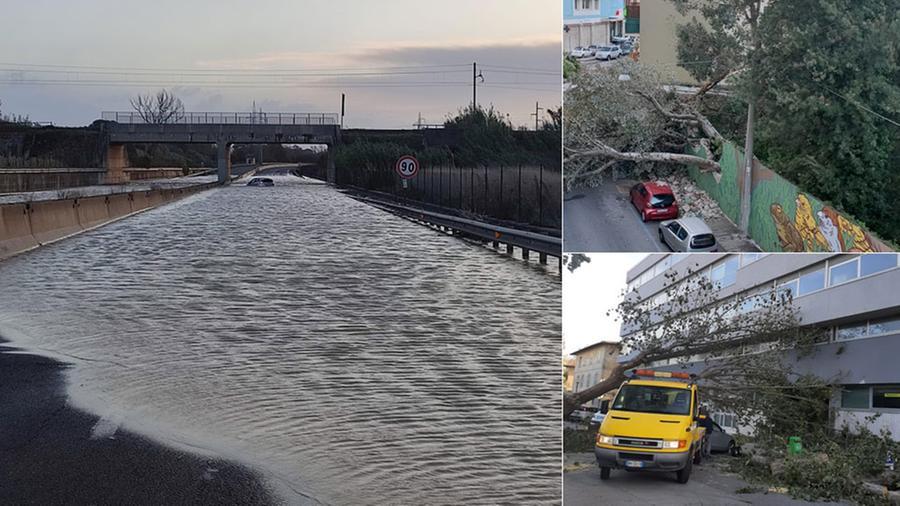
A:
(47, 455)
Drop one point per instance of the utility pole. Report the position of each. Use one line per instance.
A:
(536, 114)
(343, 101)
(475, 76)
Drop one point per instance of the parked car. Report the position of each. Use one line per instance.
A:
(261, 181)
(592, 50)
(608, 52)
(655, 201)
(719, 440)
(580, 52)
(619, 40)
(597, 419)
(687, 235)
(581, 415)
(626, 48)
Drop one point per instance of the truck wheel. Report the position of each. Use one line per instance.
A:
(604, 473)
(685, 474)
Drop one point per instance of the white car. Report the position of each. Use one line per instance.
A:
(687, 235)
(608, 52)
(580, 52)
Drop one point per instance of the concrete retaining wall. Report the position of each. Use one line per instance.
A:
(27, 226)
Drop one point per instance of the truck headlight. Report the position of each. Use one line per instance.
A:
(604, 439)
(674, 444)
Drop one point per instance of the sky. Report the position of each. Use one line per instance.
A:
(64, 62)
(588, 293)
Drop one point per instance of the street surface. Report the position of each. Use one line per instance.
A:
(707, 486)
(603, 219)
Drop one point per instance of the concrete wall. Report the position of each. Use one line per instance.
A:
(28, 180)
(782, 217)
(26, 226)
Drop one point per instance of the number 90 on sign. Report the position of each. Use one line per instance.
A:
(407, 167)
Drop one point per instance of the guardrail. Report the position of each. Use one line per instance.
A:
(227, 118)
(544, 245)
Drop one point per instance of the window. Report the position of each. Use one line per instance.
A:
(885, 326)
(681, 234)
(877, 262)
(852, 331)
(724, 420)
(844, 272)
(811, 282)
(724, 274)
(855, 397)
(678, 257)
(886, 397)
(661, 267)
(749, 258)
(789, 287)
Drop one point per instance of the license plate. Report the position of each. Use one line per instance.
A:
(634, 463)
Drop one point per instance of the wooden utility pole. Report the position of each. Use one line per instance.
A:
(475, 76)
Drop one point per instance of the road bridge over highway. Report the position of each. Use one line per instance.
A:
(224, 129)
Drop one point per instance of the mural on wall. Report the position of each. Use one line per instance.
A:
(782, 217)
(824, 230)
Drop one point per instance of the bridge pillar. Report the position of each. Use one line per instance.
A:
(116, 161)
(224, 162)
(330, 171)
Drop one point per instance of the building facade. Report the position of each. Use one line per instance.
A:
(853, 298)
(587, 22)
(658, 40)
(592, 365)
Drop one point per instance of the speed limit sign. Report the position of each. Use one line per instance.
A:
(407, 166)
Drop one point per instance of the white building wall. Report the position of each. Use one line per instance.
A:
(855, 418)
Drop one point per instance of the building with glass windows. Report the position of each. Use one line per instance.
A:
(854, 298)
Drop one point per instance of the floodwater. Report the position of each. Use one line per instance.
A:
(349, 355)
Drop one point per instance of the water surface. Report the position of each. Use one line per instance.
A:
(351, 355)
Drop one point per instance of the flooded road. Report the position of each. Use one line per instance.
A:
(348, 354)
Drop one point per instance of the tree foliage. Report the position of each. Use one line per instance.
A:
(163, 107)
(831, 107)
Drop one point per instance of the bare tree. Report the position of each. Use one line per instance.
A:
(164, 107)
(736, 345)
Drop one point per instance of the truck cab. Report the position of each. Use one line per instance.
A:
(652, 425)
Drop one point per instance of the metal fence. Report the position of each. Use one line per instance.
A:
(526, 194)
(229, 118)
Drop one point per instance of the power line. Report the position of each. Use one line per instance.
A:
(162, 69)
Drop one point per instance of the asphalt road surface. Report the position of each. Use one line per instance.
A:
(707, 486)
(603, 219)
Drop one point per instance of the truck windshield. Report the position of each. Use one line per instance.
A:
(652, 399)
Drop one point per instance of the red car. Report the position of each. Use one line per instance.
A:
(655, 201)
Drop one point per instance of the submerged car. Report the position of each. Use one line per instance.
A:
(687, 235)
(261, 181)
(655, 201)
(608, 52)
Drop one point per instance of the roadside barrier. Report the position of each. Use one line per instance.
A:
(15, 230)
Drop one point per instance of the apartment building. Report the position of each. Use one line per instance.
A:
(853, 297)
(592, 364)
(587, 22)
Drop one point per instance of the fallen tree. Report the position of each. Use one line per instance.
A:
(625, 113)
(736, 345)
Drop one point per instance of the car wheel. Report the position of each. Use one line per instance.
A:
(660, 234)
(644, 216)
(731, 447)
(604, 473)
(684, 475)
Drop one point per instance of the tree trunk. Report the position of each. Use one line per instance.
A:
(747, 187)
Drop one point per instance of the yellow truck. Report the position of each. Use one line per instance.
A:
(652, 425)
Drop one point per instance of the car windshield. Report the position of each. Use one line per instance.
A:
(653, 399)
(703, 241)
(662, 200)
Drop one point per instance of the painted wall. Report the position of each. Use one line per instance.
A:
(607, 8)
(782, 217)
